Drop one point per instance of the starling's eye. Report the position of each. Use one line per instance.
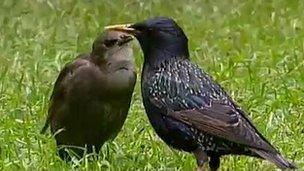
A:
(110, 43)
(141, 27)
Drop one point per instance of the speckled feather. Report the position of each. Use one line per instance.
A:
(189, 110)
(188, 94)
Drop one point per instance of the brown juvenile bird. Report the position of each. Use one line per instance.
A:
(92, 95)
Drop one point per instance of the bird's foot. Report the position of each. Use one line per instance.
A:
(203, 167)
(201, 159)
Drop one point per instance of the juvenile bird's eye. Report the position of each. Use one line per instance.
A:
(110, 43)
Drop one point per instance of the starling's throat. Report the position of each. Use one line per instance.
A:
(165, 51)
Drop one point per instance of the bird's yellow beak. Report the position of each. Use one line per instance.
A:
(125, 28)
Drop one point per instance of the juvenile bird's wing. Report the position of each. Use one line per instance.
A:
(184, 92)
(57, 96)
(59, 91)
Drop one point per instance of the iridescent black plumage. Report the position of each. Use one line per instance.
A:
(187, 109)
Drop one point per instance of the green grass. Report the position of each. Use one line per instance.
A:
(255, 49)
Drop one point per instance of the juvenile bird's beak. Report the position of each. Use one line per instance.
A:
(125, 28)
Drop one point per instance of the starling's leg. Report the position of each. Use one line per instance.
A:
(95, 150)
(214, 162)
(64, 155)
(201, 159)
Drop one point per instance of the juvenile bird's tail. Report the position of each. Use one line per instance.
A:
(45, 127)
(276, 158)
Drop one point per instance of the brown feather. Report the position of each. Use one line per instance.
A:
(220, 121)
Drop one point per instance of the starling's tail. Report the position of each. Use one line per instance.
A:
(276, 158)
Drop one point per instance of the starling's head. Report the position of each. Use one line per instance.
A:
(157, 34)
(158, 31)
(110, 42)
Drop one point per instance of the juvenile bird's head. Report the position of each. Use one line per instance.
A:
(112, 43)
(112, 53)
(160, 38)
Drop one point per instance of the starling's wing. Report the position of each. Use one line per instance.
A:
(189, 95)
(57, 97)
(223, 122)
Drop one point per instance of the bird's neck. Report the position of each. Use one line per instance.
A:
(163, 52)
(97, 59)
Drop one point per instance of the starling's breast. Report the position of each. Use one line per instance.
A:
(174, 133)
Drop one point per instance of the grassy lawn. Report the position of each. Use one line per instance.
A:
(255, 49)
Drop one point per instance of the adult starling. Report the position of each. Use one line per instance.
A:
(92, 95)
(185, 106)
